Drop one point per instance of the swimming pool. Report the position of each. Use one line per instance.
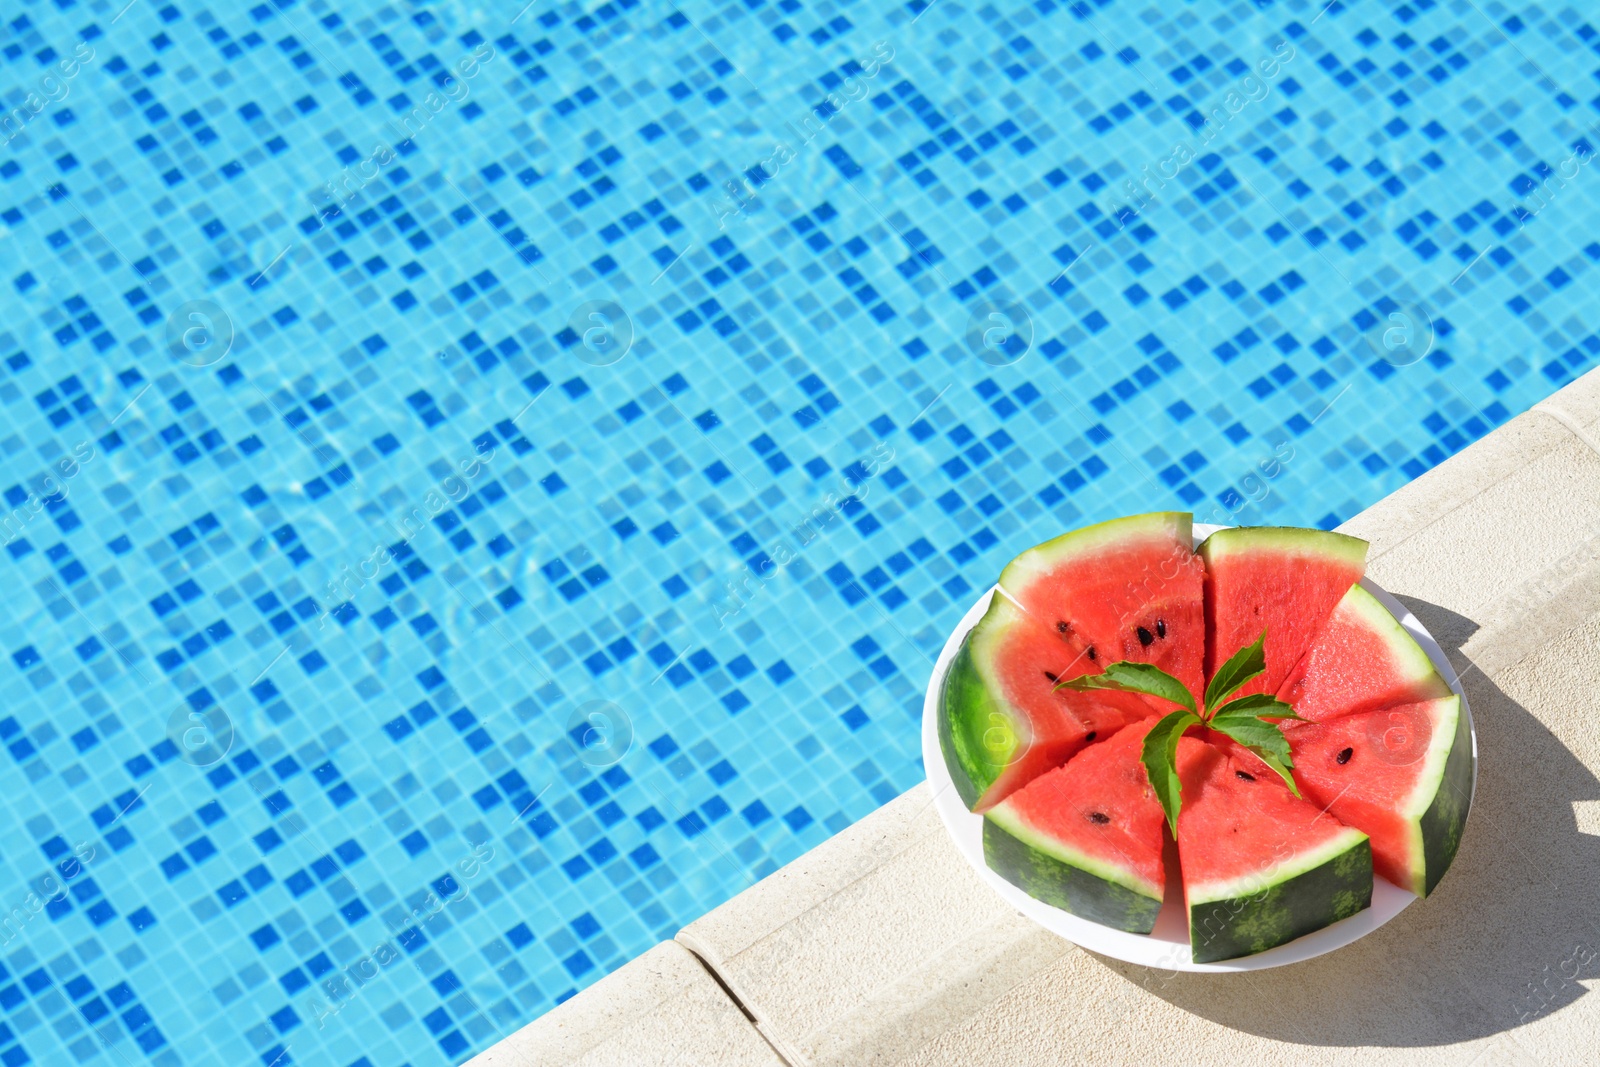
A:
(487, 485)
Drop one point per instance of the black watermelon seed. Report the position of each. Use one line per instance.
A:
(1344, 756)
(1053, 678)
(1090, 735)
(1161, 627)
(1099, 818)
(1244, 776)
(1146, 638)
(1061, 627)
(1091, 652)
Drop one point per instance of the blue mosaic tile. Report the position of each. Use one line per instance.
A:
(482, 489)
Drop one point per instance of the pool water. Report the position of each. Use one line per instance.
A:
(484, 486)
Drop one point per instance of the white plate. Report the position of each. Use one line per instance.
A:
(1167, 946)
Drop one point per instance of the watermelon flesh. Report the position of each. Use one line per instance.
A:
(1363, 658)
(1402, 775)
(1128, 589)
(1280, 580)
(1086, 837)
(1260, 866)
(1002, 721)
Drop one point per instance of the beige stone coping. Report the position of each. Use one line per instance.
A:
(882, 947)
(661, 1010)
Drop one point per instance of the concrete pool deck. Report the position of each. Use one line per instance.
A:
(882, 947)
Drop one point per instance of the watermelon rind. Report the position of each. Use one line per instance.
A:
(1410, 674)
(1063, 877)
(1043, 558)
(1431, 815)
(1443, 795)
(1283, 580)
(980, 732)
(1410, 661)
(1252, 914)
(995, 739)
(1289, 868)
(1289, 539)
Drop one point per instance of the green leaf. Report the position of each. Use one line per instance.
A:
(1125, 676)
(1160, 758)
(1282, 768)
(1263, 738)
(1264, 705)
(1243, 666)
(1245, 728)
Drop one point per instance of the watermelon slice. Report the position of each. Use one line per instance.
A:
(1402, 775)
(1003, 723)
(1260, 865)
(1128, 589)
(1363, 658)
(1086, 837)
(1282, 580)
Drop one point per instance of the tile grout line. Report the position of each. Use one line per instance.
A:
(689, 945)
(1546, 408)
(853, 879)
(737, 1001)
